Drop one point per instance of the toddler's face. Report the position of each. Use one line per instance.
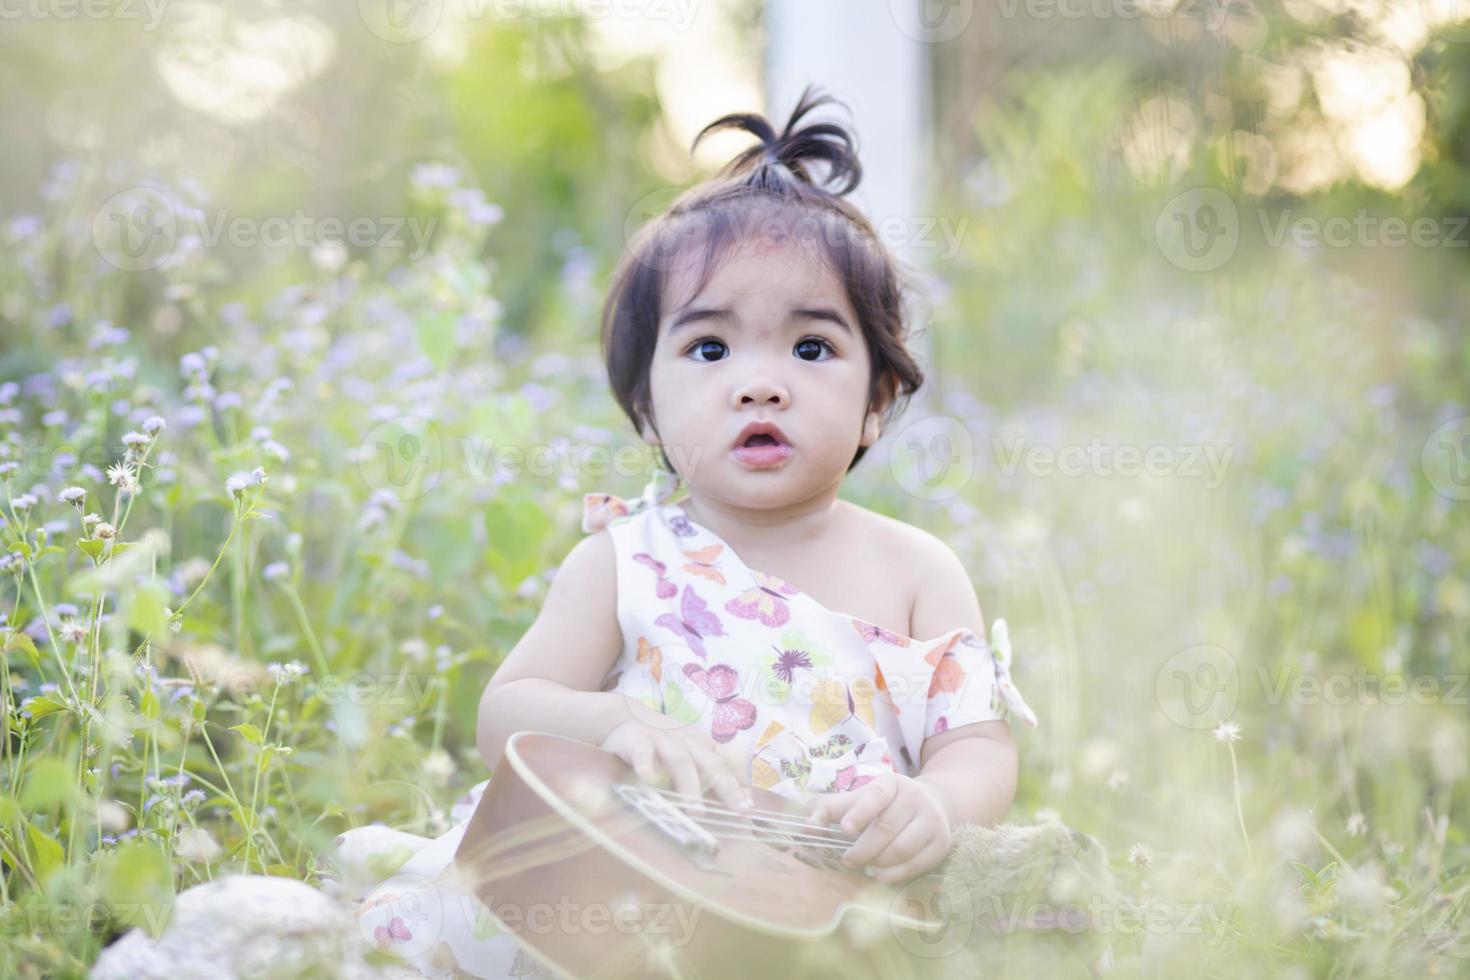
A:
(772, 337)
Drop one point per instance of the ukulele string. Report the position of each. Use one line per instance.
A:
(742, 818)
(769, 816)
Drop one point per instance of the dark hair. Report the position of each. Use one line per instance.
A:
(769, 182)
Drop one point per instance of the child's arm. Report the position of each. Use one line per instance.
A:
(549, 681)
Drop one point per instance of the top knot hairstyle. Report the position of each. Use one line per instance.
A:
(767, 189)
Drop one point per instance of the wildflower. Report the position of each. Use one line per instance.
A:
(257, 476)
(1140, 856)
(66, 610)
(1356, 824)
(121, 475)
(73, 632)
(227, 400)
(192, 365)
(75, 496)
(23, 503)
(275, 571)
(154, 424)
(135, 440)
(196, 844)
(237, 483)
(438, 767)
(104, 531)
(285, 673)
(91, 519)
(113, 816)
(1227, 731)
(275, 450)
(193, 798)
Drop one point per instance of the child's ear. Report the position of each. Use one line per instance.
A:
(873, 423)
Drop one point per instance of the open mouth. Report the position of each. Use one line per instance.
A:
(762, 439)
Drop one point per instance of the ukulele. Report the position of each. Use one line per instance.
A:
(600, 875)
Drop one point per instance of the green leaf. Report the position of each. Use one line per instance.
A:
(516, 530)
(250, 732)
(23, 643)
(9, 811)
(92, 547)
(40, 707)
(149, 705)
(48, 782)
(436, 336)
(144, 604)
(138, 884)
(49, 855)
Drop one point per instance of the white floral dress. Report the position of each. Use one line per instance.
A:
(817, 700)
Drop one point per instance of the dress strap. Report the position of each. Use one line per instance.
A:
(600, 509)
(1000, 637)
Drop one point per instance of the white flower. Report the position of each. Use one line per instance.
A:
(121, 476)
(154, 424)
(196, 844)
(113, 816)
(91, 519)
(257, 476)
(135, 440)
(23, 503)
(285, 673)
(237, 483)
(74, 496)
(1227, 731)
(275, 570)
(1356, 824)
(1140, 856)
(104, 530)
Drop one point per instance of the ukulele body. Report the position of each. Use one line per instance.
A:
(599, 880)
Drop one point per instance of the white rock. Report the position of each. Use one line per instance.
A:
(248, 926)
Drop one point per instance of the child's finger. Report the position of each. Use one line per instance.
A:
(831, 807)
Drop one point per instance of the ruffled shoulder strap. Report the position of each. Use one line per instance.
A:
(1000, 638)
(600, 509)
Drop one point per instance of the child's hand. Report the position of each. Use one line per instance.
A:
(696, 761)
(903, 829)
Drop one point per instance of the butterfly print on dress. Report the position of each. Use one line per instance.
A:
(694, 622)
(766, 602)
(732, 714)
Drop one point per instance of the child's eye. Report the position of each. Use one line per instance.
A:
(808, 349)
(813, 342)
(699, 347)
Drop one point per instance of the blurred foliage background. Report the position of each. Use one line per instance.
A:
(1172, 230)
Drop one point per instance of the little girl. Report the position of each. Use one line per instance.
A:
(757, 631)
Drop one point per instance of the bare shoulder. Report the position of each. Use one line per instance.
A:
(940, 594)
(897, 541)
